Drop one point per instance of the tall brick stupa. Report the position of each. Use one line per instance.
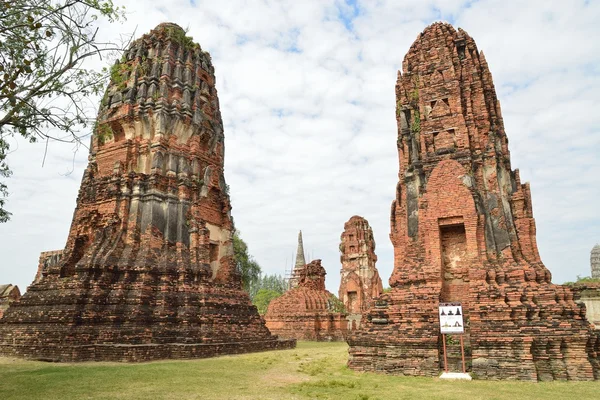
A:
(148, 270)
(463, 231)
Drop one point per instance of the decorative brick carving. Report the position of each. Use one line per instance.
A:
(306, 311)
(360, 282)
(148, 270)
(462, 228)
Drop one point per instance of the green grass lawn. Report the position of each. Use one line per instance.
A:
(312, 371)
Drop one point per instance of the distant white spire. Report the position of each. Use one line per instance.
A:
(300, 261)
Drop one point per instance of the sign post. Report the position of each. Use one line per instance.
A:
(445, 358)
(451, 321)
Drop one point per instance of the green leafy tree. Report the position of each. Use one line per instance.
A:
(245, 263)
(583, 279)
(275, 283)
(265, 289)
(43, 83)
(263, 298)
(336, 305)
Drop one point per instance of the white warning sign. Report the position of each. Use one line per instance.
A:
(451, 318)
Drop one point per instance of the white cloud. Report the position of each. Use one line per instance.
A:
(308, 107)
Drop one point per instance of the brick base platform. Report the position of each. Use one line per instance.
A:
(140, 352)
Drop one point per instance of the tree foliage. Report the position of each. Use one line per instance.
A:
(245, 263)
(261, 288)
(335, 305)
(583, 279)
(43, 84)
(263, 298)
(275, 283)
(265, 289)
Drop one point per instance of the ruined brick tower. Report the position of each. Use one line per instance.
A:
(595, 261)
(463, 230)
(148, 269)
(360, 282)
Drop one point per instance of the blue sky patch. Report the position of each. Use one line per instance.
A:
(348, 12)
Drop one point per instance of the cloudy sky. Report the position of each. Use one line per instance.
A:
(307, 97)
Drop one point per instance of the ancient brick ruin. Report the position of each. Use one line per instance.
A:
(588, 294)
(463, 231)
(307, 312)
(8, 294)
(595, 261)
(360, 282)
(48, 259)
(147, 271)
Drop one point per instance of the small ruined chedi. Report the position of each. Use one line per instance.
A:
(588, 292)
(463, 231)
(360, 282)
(307, 311)
(147, 271)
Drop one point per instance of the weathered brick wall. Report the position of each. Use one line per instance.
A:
(305, 312)
(149, 257)
(462, 228)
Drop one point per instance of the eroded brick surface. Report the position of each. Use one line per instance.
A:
(148, 270)
(305, 312)
(360, 282)
(462, 228)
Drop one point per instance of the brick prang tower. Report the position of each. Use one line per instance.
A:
(595, 262)
(148, 269)
(360, 282)
(462, 228)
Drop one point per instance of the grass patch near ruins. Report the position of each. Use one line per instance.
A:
(312, 371)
